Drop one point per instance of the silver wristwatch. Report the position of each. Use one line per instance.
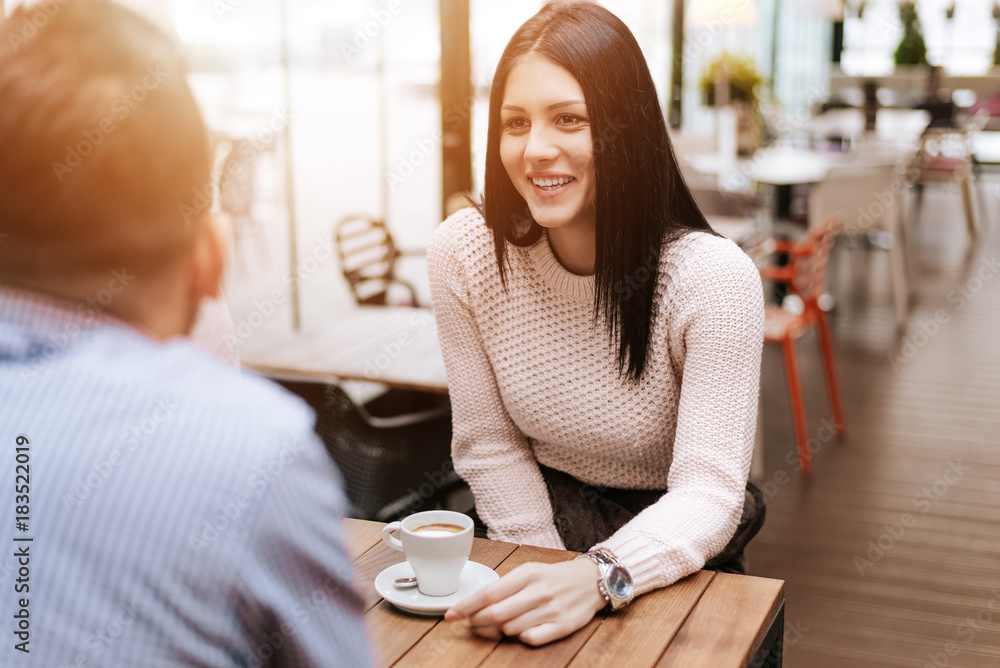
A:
(613, 580)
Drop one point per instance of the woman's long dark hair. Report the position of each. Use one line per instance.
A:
(641, 198)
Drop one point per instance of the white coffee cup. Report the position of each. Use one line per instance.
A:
(437, 544)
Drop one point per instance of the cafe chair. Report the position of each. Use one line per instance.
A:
(838, 128)
(394, 451)
(945, 157)
(804, 277)
(368, 256)
(901, 126)
(866, 195)
(239, 195)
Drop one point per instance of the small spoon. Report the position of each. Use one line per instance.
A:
(405, 583)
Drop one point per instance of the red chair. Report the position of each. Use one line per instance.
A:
(804, 277)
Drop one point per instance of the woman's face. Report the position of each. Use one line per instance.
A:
(546, 145)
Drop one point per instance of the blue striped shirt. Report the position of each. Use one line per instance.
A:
(180, 512)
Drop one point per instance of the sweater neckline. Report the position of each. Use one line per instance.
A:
(556, 276)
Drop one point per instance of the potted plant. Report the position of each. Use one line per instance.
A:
(744, 80)
(912, 49)
(996, 50)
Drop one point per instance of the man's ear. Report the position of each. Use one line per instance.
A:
(210, 253)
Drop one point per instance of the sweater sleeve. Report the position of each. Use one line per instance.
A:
(718, 328)
(489, 451)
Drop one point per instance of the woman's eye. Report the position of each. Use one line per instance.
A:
(515, 124)
(570, 119)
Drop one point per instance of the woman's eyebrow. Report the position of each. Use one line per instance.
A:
(565, 104)
(557, 105)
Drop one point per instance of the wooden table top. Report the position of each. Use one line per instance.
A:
(397, 346)
(708, 619)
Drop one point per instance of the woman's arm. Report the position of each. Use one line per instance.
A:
(718, 326)
(489, 451)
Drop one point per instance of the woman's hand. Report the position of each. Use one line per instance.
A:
(538, 603)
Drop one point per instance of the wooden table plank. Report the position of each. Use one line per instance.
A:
(394, 632)
(511, 652)
(728, 624)
(361, 536)
(454, 645)
(639, 634)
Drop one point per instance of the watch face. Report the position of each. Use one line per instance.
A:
(619, 582)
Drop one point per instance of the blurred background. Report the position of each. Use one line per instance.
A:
(360, 84)
(349, 107)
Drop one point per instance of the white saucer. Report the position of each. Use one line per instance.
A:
(475, 576)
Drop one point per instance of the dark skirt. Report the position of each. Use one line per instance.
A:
(585, 515)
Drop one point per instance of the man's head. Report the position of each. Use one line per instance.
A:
(105, 160)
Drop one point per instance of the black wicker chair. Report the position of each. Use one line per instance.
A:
(394, 452)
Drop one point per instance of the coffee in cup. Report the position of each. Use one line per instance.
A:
(437, 544)
(438, 529)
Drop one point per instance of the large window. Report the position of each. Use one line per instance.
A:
(962, 44)
(359, 91)
(365, 115)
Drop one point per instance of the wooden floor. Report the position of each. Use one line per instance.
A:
(891, 548)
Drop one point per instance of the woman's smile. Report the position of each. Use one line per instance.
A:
(550, 185)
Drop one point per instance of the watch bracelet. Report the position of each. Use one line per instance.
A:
(601, 559)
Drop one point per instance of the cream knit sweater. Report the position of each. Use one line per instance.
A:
(533, 379)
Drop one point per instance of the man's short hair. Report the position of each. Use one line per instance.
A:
(105, 160)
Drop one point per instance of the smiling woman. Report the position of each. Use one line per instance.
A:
(602, 344)
(547, 150)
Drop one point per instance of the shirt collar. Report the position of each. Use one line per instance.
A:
(32, 321)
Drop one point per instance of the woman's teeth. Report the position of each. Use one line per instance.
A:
(551, 184)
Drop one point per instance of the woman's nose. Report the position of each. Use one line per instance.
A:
(541, 145)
